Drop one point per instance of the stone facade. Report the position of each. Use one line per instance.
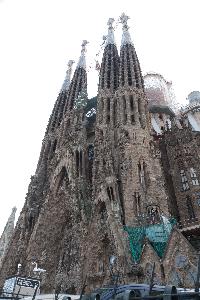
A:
(108, 184)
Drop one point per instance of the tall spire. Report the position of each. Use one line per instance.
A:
(57, 113)
(110, 62)
(82, 62)
(130, 72)
(67, 80)
(7, 234)
(79, 80)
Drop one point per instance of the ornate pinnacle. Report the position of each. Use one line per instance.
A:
(81, 62)
(126, 39)
(123, 19)
(70, 63)
(84, 43)
(110, 23)
(66, 82)
(110, 37)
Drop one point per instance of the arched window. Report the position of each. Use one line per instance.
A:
(190, 208)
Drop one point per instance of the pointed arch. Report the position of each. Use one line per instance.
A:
(63, 178)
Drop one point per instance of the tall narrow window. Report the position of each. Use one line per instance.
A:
(110, 193)
(190, 208)
(108, 110)
(90, 161)
(54, 146)
(132, 119)
(108, 104)
(131, 102)
(184, 181)
(141, 172)
(77, 163)
(81, 162)
(140, 111)
(102, 109)
(124, 109)
(114, 111)
(138, 204)
(53, 149)
(193, 175)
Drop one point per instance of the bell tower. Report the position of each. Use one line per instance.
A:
(105, 165)
(139, 171)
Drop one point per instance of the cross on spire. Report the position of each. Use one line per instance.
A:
(123, 19)
(110, 23)
(126, 38)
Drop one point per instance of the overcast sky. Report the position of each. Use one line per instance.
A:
(38, 37)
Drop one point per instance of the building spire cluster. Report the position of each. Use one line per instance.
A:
(108, 175)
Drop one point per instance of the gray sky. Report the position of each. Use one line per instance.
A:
(38, 37)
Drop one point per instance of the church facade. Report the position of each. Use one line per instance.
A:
(118, 175)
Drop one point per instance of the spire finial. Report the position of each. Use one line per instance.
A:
(81, 62)
(110, 37)
(123, 19)
(66, 82)
(83, 45)
(126, 38)
(110, 23)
